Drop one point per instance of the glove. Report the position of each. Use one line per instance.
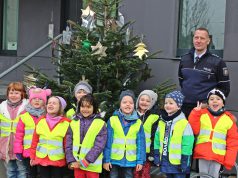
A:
(19, 156)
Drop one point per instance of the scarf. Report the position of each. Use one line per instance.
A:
(52, 120)
(217, 113)
(13, 105)
(34, 111)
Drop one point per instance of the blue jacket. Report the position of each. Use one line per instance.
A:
(197, 79)
(140, 141)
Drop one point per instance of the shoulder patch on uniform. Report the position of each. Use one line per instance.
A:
(225, 71)
(216, 55)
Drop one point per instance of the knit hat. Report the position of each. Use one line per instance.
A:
(177, 96)
(83, 85)
(39, 93)
(62, 102)
(217, 92)
(152, 95)
(127, 93)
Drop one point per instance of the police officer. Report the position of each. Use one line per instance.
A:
(200, 71)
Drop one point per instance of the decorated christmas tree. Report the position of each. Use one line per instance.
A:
(101, 50)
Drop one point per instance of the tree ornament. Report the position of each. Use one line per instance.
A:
(86, 45)
(29, 81)
(88, 19)
(140, 50)
(86, 12)
(127, 37)
(66, 35)
(120, 20)
(99, 50)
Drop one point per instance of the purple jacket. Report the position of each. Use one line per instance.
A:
(99, 143)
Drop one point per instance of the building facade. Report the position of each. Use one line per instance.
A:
(160, 21)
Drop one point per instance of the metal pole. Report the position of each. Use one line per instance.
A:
(28, 57)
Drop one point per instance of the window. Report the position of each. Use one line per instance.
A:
(8, 26)
(201, 13)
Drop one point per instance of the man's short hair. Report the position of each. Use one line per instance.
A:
(203, 29)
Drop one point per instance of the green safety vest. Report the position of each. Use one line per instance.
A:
(7, 125)
(87, 143)
(29, 129)
(147, 128)
(218, 133)
(175, 142)
(124, 145)
(51, 142)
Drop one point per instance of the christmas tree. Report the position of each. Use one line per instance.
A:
(101, 50)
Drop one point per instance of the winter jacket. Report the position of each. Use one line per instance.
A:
(229, 158)
(140, 142)
(197, 79)
(99, 143)
(19, 137)
(7, 143)
(46, 160)
(186, 144)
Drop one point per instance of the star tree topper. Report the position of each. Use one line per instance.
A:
(140, 50)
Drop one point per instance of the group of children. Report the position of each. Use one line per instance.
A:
(36, 136)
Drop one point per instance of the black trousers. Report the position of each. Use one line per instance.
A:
(51, 172)
(187, 108)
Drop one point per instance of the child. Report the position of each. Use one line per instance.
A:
(173, 139)
(10, 110)
(47, 149)
(216, 133)
(26, 127)
(149, 117)
(86, 139)
(125, 147)
(82, 88)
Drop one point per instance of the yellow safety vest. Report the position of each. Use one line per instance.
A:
(87, 143)
(218, 133)
(51, 142)
(175, 142)
(70, 113)
(29, 129)
(147, 128)
(7, 125)
(124, 145)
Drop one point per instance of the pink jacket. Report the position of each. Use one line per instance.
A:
(19, 138)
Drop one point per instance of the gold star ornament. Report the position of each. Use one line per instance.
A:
(86, 12)
(99, 50)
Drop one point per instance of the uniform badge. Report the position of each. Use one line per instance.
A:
(225, 71)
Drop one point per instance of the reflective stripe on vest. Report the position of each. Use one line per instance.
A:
(29, 129)
(175, 142)
(7, 125)
(216, 135)
(124, 145)
(147, 128)
(51, 142)
(80, 150)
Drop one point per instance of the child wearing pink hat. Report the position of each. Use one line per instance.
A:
(47, 148)
(26, 126)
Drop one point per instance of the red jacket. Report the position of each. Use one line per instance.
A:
(204, 150)
(46, 161)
